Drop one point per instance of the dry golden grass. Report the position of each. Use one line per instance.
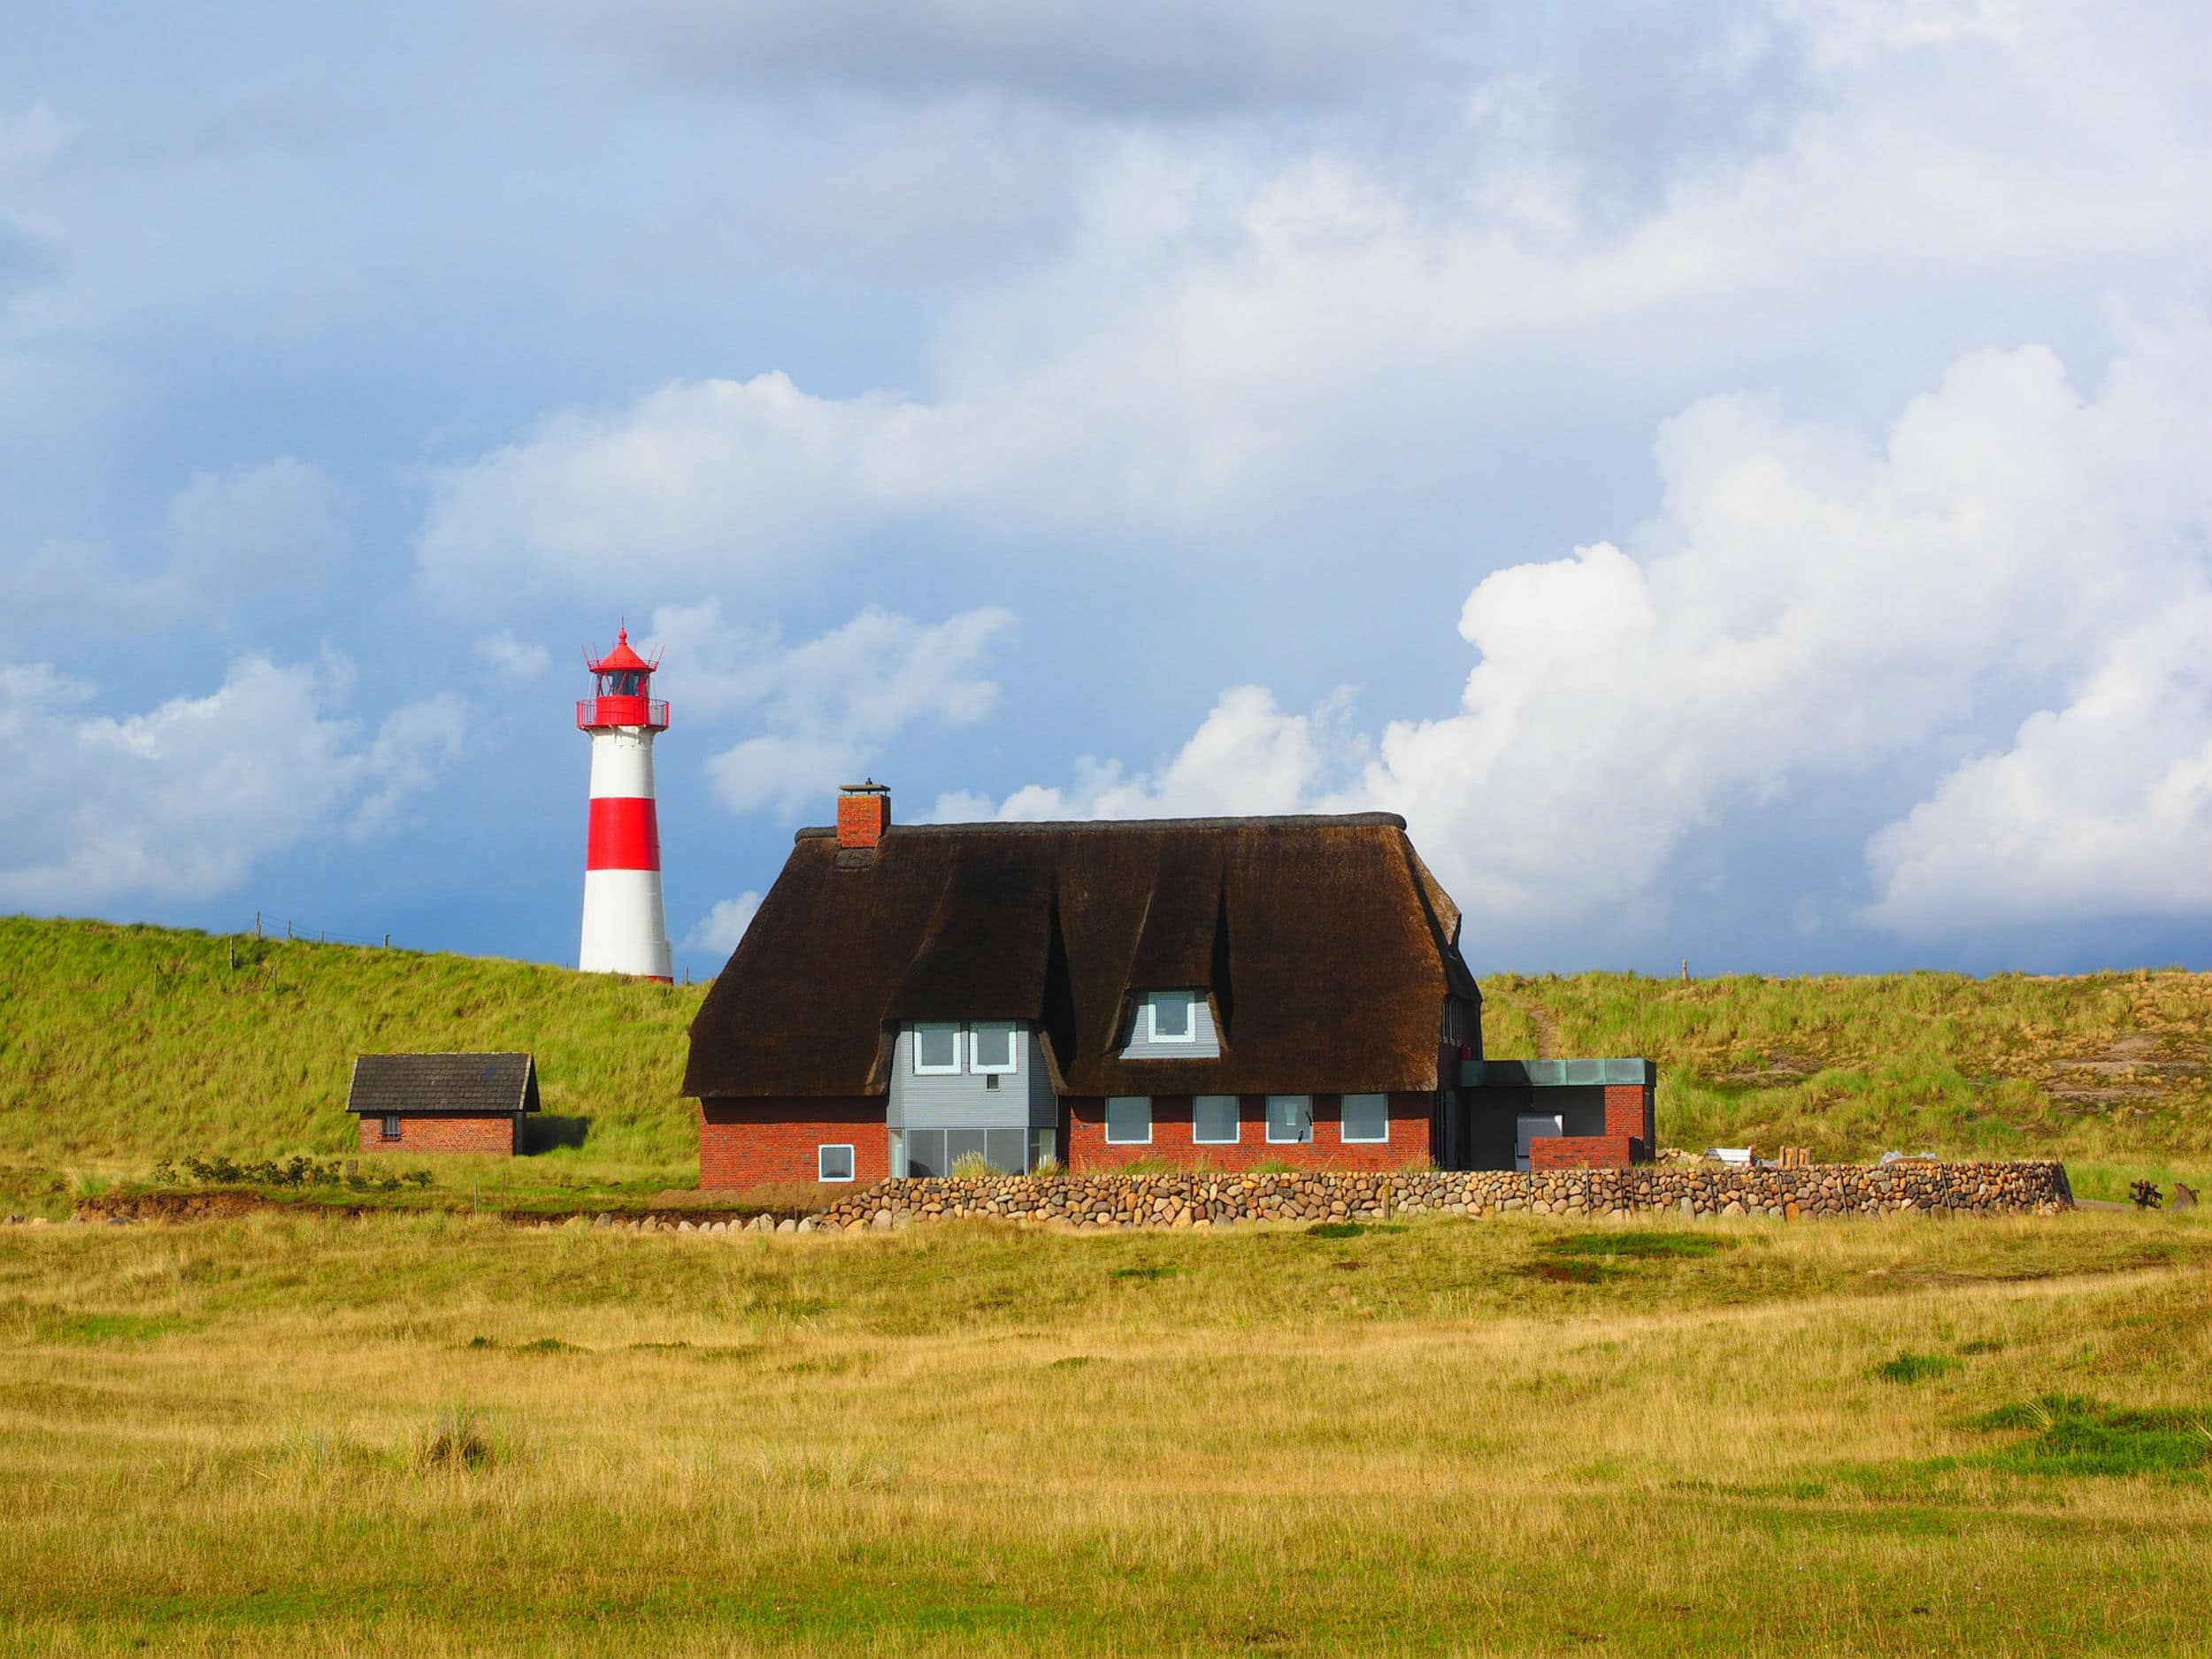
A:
(431, 1435)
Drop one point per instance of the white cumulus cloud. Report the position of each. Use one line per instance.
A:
(180, 801)
(512, 659)
(1809, 602)
(722, 927)
(830, 705)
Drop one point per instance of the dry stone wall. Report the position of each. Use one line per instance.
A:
(1195, 1200)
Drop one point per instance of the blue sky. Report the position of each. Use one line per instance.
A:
(1733, 476)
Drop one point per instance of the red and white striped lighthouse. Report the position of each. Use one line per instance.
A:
(624, 929)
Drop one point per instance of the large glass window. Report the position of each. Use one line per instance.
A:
(1128, 1120)
(1289, 1119)
(1170, 1016)
(833, 1163)
(1213, 1120)
(936, 1048)
(991, 1047)
(1003, 1148)
(925, 1153)
(1043, 1143)
(1366, 1117)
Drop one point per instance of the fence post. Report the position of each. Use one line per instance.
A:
(388, 941)
(257, 924)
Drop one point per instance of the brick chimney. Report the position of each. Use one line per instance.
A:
(863, 812)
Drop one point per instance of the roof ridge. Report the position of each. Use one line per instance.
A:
(1289, 821)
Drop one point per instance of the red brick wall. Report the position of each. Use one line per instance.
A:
(1629, 1111)
(1580, 1152)
(751, 1142)
(1087, 1152)
(444, 1133)
(862, 819)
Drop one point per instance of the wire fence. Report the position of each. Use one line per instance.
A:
(268, 925)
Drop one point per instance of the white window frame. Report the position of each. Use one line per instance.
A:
(1113, 1139)
(959, 1047)
(852, 1165)
(1236, 1120)
(1152, 1017)
(1012, 1028)
(1289, 1141)
(1343, 1131)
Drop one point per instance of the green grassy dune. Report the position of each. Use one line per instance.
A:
(120, 1046)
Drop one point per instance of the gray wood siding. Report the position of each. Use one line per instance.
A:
(1205, 1042)
(1023, 1100)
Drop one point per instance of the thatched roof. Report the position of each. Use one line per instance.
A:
(1327, 947)
(477, 1084)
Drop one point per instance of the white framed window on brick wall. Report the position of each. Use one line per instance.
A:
(1169, 1017)
(938, 1048)
(1215, 1120)
(1366, 1119)
(992, 1047)
(1289, 1119)
(833, 1163)
(1128, 1120)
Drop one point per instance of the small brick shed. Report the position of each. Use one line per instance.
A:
(443, 1103)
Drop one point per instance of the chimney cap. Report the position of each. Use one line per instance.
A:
(870, 787)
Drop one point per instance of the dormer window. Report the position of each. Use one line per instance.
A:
(991, 1047)
(987, 1048)
(937, 1049)
(1168, 1017)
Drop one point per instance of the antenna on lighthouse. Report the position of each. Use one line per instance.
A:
(626, 929)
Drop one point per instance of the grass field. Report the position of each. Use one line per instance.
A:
(121, 1046)
(434, 1435)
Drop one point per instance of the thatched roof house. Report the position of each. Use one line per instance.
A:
(1240, 990)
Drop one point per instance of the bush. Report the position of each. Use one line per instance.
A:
(294, 1173)
(973, 1166)
(1048, 1169)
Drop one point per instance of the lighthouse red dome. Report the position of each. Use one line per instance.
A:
(622, 658)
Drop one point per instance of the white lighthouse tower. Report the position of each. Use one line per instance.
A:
(624, 929)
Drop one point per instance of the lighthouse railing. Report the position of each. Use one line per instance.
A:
(620, 711)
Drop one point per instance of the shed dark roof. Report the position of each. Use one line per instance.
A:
(412, 1084)
(1325, 943)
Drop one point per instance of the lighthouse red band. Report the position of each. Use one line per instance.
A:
(625, 834)
(624, 929)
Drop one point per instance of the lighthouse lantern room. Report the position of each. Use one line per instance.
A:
(625, 925)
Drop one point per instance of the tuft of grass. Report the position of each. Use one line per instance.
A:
(1639, 1243)
(1352, 1229)
(1912, 1368)
(1150, 1270)
(458, 1440)
(2072, 1434)
(94, 1328)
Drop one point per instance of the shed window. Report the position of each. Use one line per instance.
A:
(936, 1049)
(1169, 1016)
(991, 1047)
(1128, 1120)
(1366, 1117)
(1289, 1119)
(1213, 1120)
(833, 1163)
(391, 1126)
